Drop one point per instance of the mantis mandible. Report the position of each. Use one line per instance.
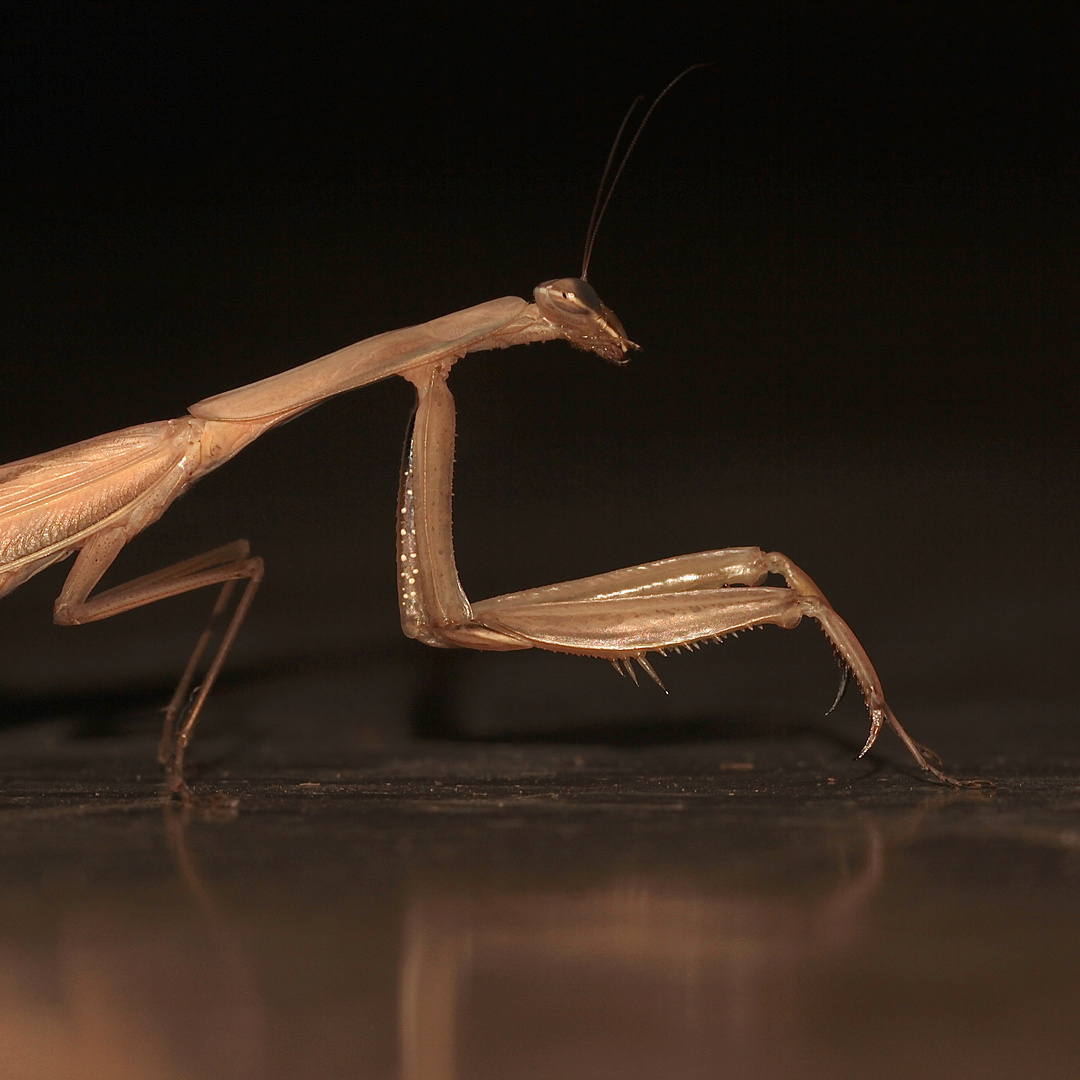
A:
(94, 496)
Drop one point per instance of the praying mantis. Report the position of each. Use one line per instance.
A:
(94, 496)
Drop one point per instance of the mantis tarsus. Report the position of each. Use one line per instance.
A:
(94, 496)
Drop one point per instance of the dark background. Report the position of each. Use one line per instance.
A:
(848, 249)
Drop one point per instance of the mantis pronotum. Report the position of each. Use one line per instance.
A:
(92, 497)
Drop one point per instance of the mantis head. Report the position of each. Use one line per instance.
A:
(579, 315)
(571, 305)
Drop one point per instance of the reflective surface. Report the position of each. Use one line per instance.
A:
(443, 911)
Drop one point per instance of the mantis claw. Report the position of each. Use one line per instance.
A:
(876, 721)
(845, 678)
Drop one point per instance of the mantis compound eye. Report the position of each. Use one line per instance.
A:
(568, 299)
(572, 296)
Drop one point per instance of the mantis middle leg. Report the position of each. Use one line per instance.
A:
(223, 566)
(619, 616)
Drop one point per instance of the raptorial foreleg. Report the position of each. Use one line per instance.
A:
(619, 616)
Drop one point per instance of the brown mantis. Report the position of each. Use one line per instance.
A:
(94, 496)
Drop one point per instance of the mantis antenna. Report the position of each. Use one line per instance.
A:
(600, 205)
